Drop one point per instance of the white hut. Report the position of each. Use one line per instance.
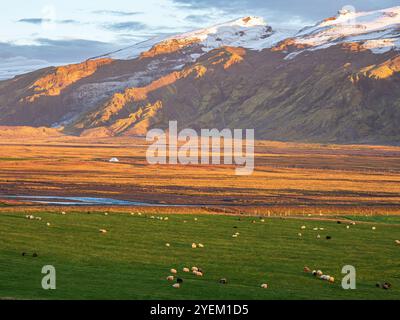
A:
(114, 160)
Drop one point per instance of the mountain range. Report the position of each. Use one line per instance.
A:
(335, 82)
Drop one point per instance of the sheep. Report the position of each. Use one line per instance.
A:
(303, 228)
(200, 245)
(321, 229)
(348, 227)
(48, 224)
(315, 229)
(307, 269)
(235, 236)
(194, 246)
(195, 219)
(173, 271)
(300, 235)
(199, 274)
(176, 286)
(264, 286)
(319, 236)
(166, 219)
(373, 228)
(186, 270)
(314, 273)
(167, 245)
(103, 231)
(170, 278)
(397, 242)
(331, 279)
(223, 281)
(319, 273)
(106, 213)
(63, 213)
(39, 218)
(195, 269)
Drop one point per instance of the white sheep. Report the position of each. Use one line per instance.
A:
(170, 278)
(103, 231)
(194, 246)
(373, 228)
(303, 228)
(195, 269)
(397, 242)
(176, 286)
(200, 245)
(106, 213)
(167, 245)
(173, 271)
(63, 213)
(186, 270)
(48, 224)
(199, 274)
(264, 286)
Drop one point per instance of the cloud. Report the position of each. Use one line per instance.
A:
(125, 26)
(117, 13)
(197, 18)
(306, 9)
(38, 21)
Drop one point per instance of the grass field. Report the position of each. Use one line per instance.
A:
(132, 261)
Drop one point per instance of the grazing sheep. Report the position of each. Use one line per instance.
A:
(303, 228)
(314, 273)
(300, 235)
(315, 229)
(374, 228)
(201, 245)
(167, 245)
(264, 286)
(166, 219)
(307, 269)
(262, 220)
(176, 286)
(106, 213)
(195, 219)
(194, 246)
(48, 224)
(186, 270)
(139, 214)
(63, 213)
(170, 278)
(173, 271)
(348, 227)
(103, 231)
(331, 279)
(319, 273)
(319, 236)
(321, 229)
(195, 269)
(235, 236)
(397, 242)
(199, 274)
(39, 218)
(152, 217)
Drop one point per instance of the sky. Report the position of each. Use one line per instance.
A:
(39, 33)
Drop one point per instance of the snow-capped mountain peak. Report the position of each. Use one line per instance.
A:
(377, 30)
(247, 32)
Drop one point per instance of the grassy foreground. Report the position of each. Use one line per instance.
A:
(132, 261)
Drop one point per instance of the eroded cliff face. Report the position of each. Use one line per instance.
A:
(132, 112)
(62, 77)
(169, 46)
